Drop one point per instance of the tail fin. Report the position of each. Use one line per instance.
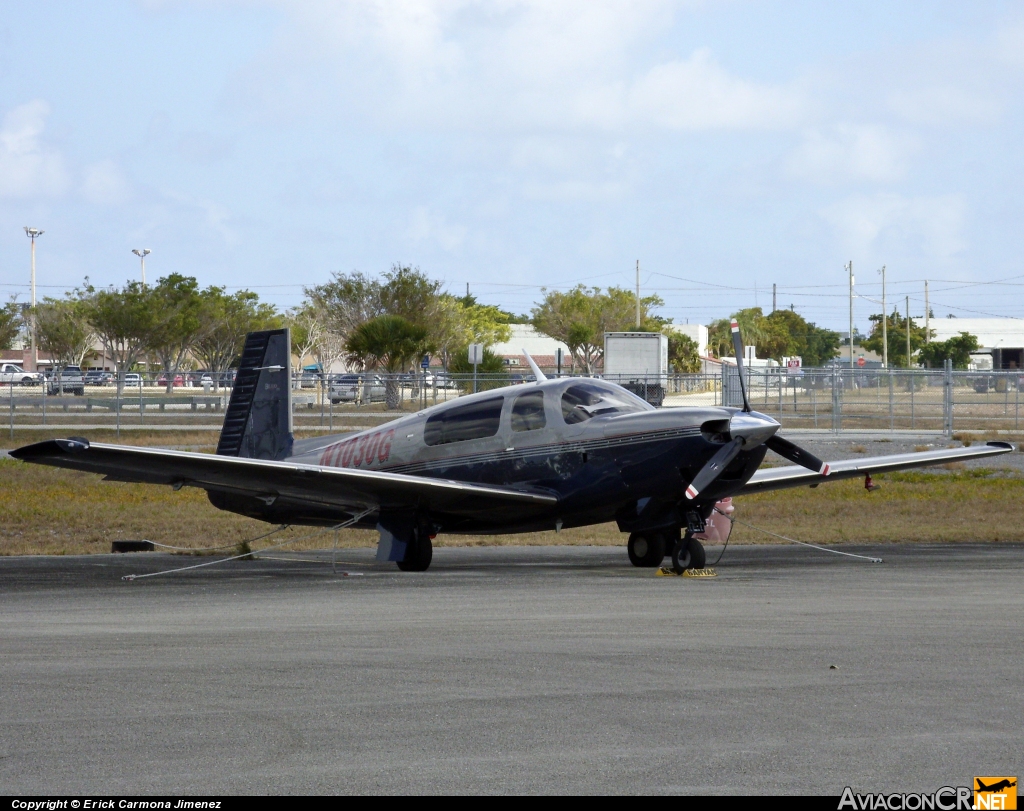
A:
(258, 423)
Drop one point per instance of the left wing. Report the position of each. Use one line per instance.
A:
(268, 480)
(778, 478)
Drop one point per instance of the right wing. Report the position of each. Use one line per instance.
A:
(778, 478)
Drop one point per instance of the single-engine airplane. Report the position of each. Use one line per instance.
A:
(565, 452)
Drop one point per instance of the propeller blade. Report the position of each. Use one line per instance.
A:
(787, 450)
(737, 346)
(713, 469)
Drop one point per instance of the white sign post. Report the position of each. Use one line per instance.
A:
(476, 357)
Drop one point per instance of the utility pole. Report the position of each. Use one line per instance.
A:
(32, 233)
(927, 314)
(774, 292)
(142, 253)
(885, 325)
(908, 332)
(849, 269)
(638, 294)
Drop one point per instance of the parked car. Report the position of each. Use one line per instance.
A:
(309, 379)
(65, 380)
(179, 380)
(345, 388)
(440, 380)
(132, 380)
(12, 373)
(99, 377)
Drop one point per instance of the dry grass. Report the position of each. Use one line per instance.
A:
(858, 449)
(51, 511)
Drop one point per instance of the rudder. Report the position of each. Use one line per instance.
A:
(258, 422)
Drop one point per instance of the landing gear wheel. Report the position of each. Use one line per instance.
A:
(418, 556)
(688, 554)
(646, 549)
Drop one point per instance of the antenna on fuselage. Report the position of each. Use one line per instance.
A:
(541, 377)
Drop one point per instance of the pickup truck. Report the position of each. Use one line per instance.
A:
(68, 379)
(12, 373)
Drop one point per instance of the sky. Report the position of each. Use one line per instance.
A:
(521, 146)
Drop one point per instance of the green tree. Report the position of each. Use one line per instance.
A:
(63, 328)
(124, 321)
(897, 335)
(780, 334)
(10, 323)
(388, 343)
(176, 325)
(224, 321)
(581, 316)
(493, 368)
(683, 355)
(958, 349)
(791, 334)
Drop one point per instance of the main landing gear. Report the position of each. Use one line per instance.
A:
(419, 552)
(649, 547)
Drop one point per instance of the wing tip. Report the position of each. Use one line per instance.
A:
(691, 493)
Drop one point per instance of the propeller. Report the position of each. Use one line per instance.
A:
(737, 347)
(713, 469)
(797, 455)
(750, 428)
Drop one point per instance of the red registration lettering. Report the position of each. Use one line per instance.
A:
(385, 446)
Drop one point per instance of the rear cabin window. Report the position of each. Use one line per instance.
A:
(528, 412)
(587, 400)
(471, 421)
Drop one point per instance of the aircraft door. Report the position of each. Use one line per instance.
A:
(529, 436)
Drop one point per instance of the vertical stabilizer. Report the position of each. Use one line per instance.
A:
(258, 423)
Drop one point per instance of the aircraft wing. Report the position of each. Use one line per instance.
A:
(778, 478)
(266, 479)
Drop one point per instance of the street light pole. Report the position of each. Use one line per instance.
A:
(849, 269)
(142, 253)
(885, 324)
(32, 233)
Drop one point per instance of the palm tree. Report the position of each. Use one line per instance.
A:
(388, 343)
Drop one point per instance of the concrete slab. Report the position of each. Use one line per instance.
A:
(512, 669)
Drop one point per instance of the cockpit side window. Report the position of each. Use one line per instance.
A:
(585, 401)
(528, 412)
(464, 422)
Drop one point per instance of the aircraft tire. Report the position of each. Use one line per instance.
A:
(688, 554)
(418, 557)
(646, 549)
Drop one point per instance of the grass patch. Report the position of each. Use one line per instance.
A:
(50, 511)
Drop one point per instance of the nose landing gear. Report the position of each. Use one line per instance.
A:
(688, 554)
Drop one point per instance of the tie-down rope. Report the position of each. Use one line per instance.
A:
(334, 528)
(732, 520)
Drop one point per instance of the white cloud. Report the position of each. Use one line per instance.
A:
(426, 226)
(28, 167)
(875, 224)
(507, 65)
(104, 184)
(698, 94)
(872, 153)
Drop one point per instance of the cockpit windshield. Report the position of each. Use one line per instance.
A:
(584, 401)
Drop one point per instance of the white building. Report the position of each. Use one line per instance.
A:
(542, 348)
(1002, 337)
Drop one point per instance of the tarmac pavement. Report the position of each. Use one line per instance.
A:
(513, 669)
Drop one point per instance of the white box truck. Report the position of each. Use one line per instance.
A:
(638, 361)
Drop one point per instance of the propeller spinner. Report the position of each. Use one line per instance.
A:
(750, 429)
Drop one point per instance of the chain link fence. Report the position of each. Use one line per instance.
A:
(835, 398)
